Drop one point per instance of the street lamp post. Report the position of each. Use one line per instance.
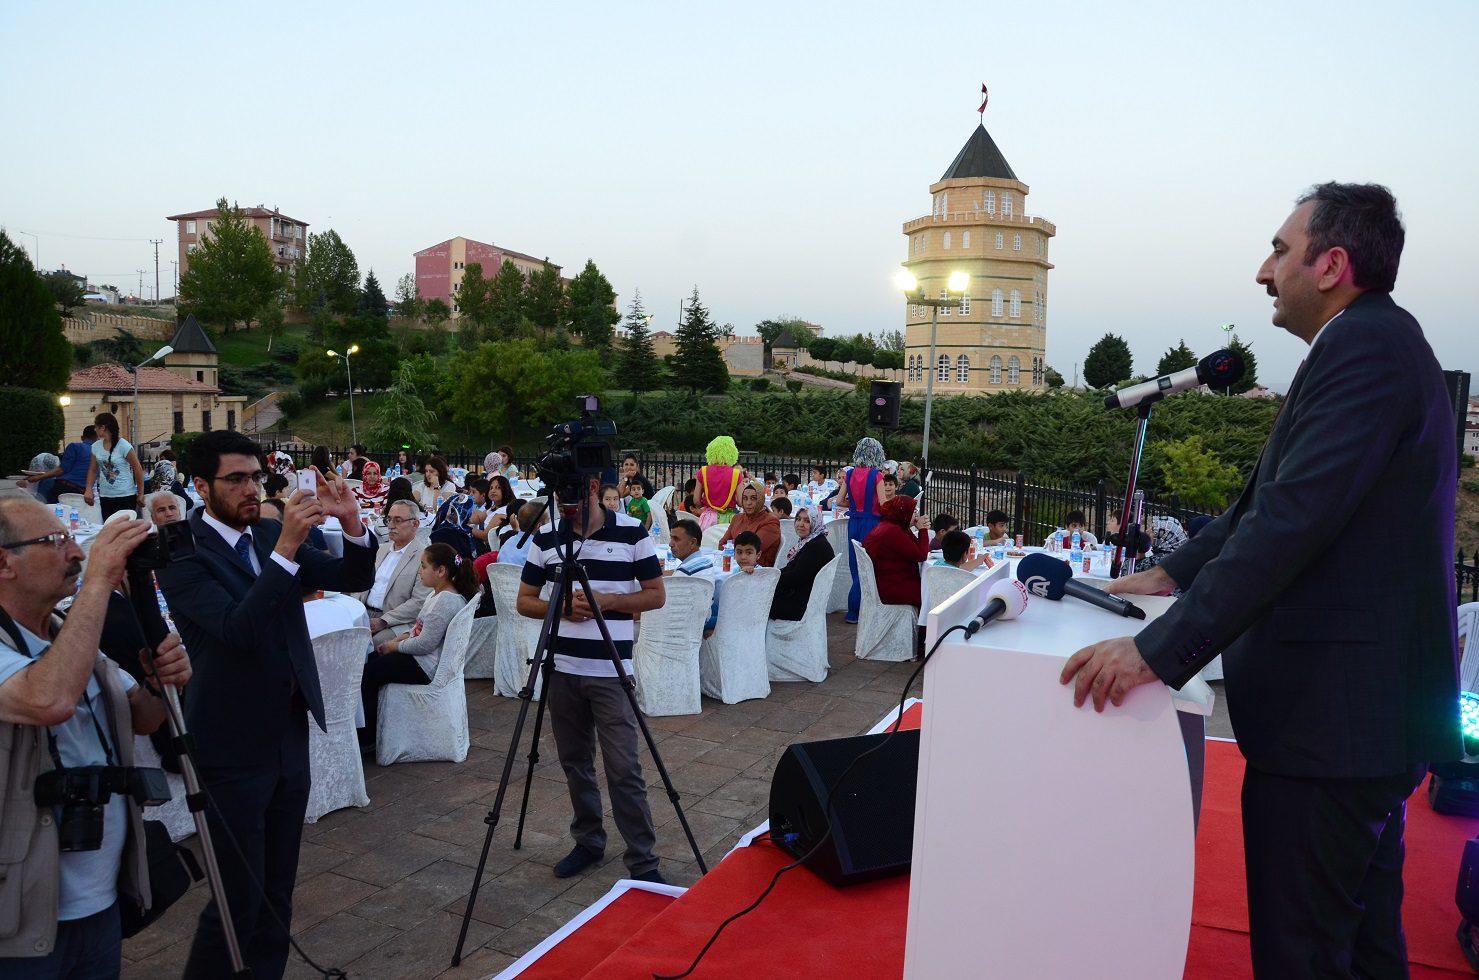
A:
(351, 349)
(133, 414)
(955, 288)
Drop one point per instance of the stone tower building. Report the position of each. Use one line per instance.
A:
(996, 337)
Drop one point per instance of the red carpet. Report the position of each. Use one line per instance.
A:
(611, 927)
(807, 928)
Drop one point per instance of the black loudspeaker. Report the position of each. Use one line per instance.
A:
(883, 404)
(872, 819)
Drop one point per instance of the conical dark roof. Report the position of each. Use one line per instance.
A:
(979, 158)
(190, 339)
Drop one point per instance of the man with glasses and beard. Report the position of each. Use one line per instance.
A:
(238, 605)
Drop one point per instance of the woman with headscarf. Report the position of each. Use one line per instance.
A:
(808, 556)
(371, 493)
(859, 496)
(281, 463)
(755, 516)
(897, 545)
(719, 482)
(908, 477)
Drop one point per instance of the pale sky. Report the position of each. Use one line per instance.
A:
(766, 152)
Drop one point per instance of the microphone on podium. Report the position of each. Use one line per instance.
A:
(1006, 600)
(1050, 578)
(1218, 370)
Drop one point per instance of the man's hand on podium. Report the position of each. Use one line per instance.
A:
(1107, 670)
(1152, 581)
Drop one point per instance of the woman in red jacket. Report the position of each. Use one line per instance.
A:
(897, 545)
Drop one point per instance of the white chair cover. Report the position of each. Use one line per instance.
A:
(841, 582)
(517, 634)
(943, 581)
(660, 499)
(788, 538)
(731, 662)
(354, 484)
(92, 513)
(665, 657)
(797, 651)
(482, 648)
(660, 518)
(713, 534)
(885, 632)
(1468, 646)
(333, 757)
(175, 814)
(428, 722)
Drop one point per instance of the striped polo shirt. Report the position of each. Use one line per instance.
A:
(617, 558)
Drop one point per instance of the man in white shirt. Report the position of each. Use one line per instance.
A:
(396, 597)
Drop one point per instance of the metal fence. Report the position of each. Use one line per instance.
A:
(1467, 576)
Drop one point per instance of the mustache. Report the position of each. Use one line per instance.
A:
(1271, 291)
(75, 568)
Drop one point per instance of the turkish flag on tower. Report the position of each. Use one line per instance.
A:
(984, 98)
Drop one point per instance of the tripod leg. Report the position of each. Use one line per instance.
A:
(629, 686)
(533, 756)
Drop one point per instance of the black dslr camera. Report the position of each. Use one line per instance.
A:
(165, 543)
(82, 793)
(577, 451)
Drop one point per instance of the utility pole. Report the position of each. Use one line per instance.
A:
(176, 264)
(141, 284)
(156, 242)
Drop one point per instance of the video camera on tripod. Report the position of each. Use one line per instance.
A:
(577, 451)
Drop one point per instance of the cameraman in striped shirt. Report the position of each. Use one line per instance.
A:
(585, 698)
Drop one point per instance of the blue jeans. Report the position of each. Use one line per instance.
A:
(858, 526)
(89, 948)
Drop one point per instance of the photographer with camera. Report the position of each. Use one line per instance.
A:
(68, 716)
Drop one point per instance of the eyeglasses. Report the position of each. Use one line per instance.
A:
(57, 539)
(240, 479)
(398, 521)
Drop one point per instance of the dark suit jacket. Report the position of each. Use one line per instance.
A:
(1329, 583)
(248, 638)
(793, 590)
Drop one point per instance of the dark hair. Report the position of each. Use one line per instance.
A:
(820, 469)
(609, 486)
(1075, 517)
(478, 483)
(689, 528)
(459, 570)
(400, 489)
(944, 521)
(1362, 219)
(507, 451)
(207, 450)
(168, 454)
(274, 483)
(791, 480)
(440, 465)
(890, 478)
(782, 504)
(747, 538)
(89, 432)
(320, 458)
(403, 451)
(771, 477)
(633, 458)
(504, 487)
(997, 517)
(276, 505)
(109, 421)
(359, 448)
(954, 545)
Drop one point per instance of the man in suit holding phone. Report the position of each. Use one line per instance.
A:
(1342, 684)
(238, 605)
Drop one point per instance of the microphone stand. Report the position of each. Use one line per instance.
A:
(1130, 520)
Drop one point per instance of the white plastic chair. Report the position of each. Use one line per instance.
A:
(660, 499)
(731, 662)
(797, 651)
(333, 758)
(1468, 646)
(92, 513)
(842, 581)
(885, 632)
(428, 722)
(712, 536)
(482, 647)
(788, 538)
(517, 634)
(665, 657)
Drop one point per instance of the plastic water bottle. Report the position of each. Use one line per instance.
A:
(728, 554)
(61, 512)
(1057, 541)
(1077, 554)
(75, 519)
(999, 553)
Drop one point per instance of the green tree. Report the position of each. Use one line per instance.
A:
(232, 274)
(271, 319)
(1177, 358)
(697, 363)
(1053, 377)
(844, 351)
(592, 305)
(474, 311)
(64, 289)
(437, 310)
(1250, 366)
(506, 301)
(506, 385)
(544, 300)
(407, 300)
(402, 418)
(892, 340)
(34, 352)
(1108, 361)
(639, 368)
(1197, 475)
(822, 349)
(372, 299)
(800, 331)
(329, 278)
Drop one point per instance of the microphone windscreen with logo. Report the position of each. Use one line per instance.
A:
(1043, 576)
(1012, 594)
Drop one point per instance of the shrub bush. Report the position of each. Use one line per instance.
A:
(291, 404)
(180, 442)
(759, 384)
(33, 424)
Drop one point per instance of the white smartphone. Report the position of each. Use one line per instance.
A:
(308, 482)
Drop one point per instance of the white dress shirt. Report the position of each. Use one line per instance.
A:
(231, 535)
(383, 575)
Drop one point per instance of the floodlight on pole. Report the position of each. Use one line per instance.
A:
(64, 400)
(955, 286)
(958, 282)
(133, 412)
(351, 349)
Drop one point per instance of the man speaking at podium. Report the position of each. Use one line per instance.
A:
(1341, 671)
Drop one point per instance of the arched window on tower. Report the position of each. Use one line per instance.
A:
(942, 370)
(909, 369)
(1016, 242)
(965, 239)
(945, 294)
(1016, 302)
(990, 202)
(965, 305)
(946, 243)
(1014, 370)
(996, 303)
(995, 369)
(963, 369)
(1006, 203)
(1000, 240)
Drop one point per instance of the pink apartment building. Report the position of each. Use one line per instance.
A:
(440, 268)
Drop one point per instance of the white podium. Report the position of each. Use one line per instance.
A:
(1049, 841)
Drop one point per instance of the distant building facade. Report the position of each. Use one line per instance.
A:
(286, 237)
(995, 338)
(440, 267)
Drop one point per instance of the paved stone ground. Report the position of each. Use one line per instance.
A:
(381, 890)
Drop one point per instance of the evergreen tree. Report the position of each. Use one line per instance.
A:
(638, 368)
(544, 300)
(328, 278)
(592, 305)
(1250, 366)
(402, 418)
(1108, 361)
(1053, 377)
(232, 274)
(474, 308)
(34, 352)
(1177, 358)
(506, 301)
(698, 364)
(407, 300)
(372, 300)
(437, 310)
(65, 288)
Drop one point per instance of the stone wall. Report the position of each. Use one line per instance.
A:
(102, 326)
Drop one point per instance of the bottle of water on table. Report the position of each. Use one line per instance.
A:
(75, 519)
(728, 554)
(1076, 554)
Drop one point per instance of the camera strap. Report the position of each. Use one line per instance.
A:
(22, 647)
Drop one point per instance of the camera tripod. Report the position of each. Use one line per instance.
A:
(561, 600)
